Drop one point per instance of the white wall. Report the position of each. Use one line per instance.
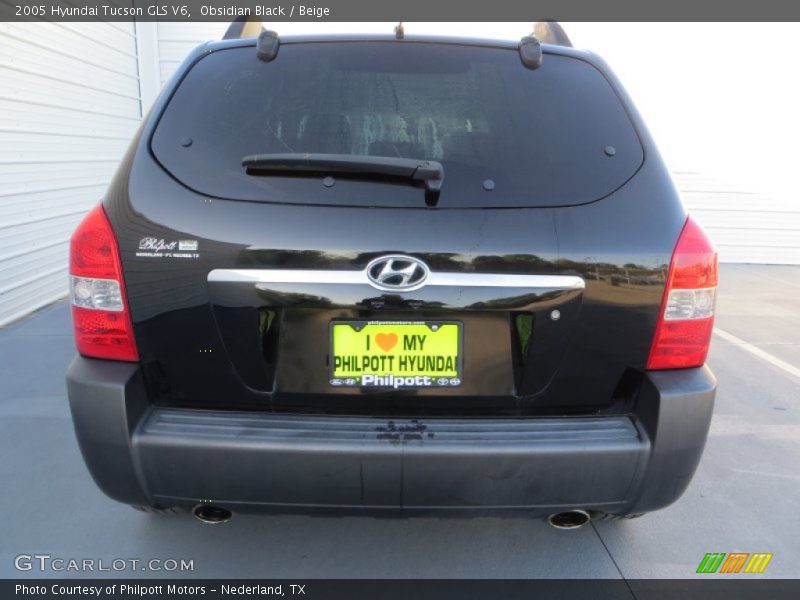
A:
(69, 104)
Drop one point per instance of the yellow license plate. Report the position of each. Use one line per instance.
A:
(396, 355)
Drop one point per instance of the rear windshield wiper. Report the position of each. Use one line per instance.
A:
(430, 172)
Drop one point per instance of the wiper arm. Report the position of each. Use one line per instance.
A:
(430, 172)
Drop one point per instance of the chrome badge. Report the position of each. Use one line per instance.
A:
(397, 273)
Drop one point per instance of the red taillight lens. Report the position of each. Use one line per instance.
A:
(100, 313)
(686, 320)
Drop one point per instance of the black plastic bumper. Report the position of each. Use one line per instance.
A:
(144, 455)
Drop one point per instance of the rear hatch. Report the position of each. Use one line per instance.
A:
(533, 271)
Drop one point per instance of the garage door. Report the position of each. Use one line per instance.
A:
(69, 105)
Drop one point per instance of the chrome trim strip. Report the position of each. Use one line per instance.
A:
(552, 282)
(287, 276)
(441, 279)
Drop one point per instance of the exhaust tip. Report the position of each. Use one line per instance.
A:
(570, 519)
(211, 515)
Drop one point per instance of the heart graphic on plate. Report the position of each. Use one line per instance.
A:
(386, 341)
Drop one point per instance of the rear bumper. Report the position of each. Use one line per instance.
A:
(140, 454)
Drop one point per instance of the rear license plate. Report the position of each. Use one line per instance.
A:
(395, 354)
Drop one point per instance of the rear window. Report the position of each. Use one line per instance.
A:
(542, 137)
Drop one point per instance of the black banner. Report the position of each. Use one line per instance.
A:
(381, 589)
(392, 10)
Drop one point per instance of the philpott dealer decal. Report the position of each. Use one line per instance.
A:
(151, 247)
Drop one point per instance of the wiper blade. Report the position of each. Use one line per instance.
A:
(430, 172)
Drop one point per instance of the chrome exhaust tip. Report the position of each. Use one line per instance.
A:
(211, 515)
(570, 519)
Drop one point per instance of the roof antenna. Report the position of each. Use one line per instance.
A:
(399, 32)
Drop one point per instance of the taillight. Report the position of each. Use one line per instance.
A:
(100, 313)
(686, 320)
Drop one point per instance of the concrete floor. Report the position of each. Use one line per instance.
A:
(745, 496)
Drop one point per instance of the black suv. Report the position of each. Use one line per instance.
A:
(371, 273)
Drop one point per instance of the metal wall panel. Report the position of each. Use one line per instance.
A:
(175, 40)
(69, 105)
(747, 226)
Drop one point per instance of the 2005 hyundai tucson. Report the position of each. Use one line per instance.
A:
(392, 274)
